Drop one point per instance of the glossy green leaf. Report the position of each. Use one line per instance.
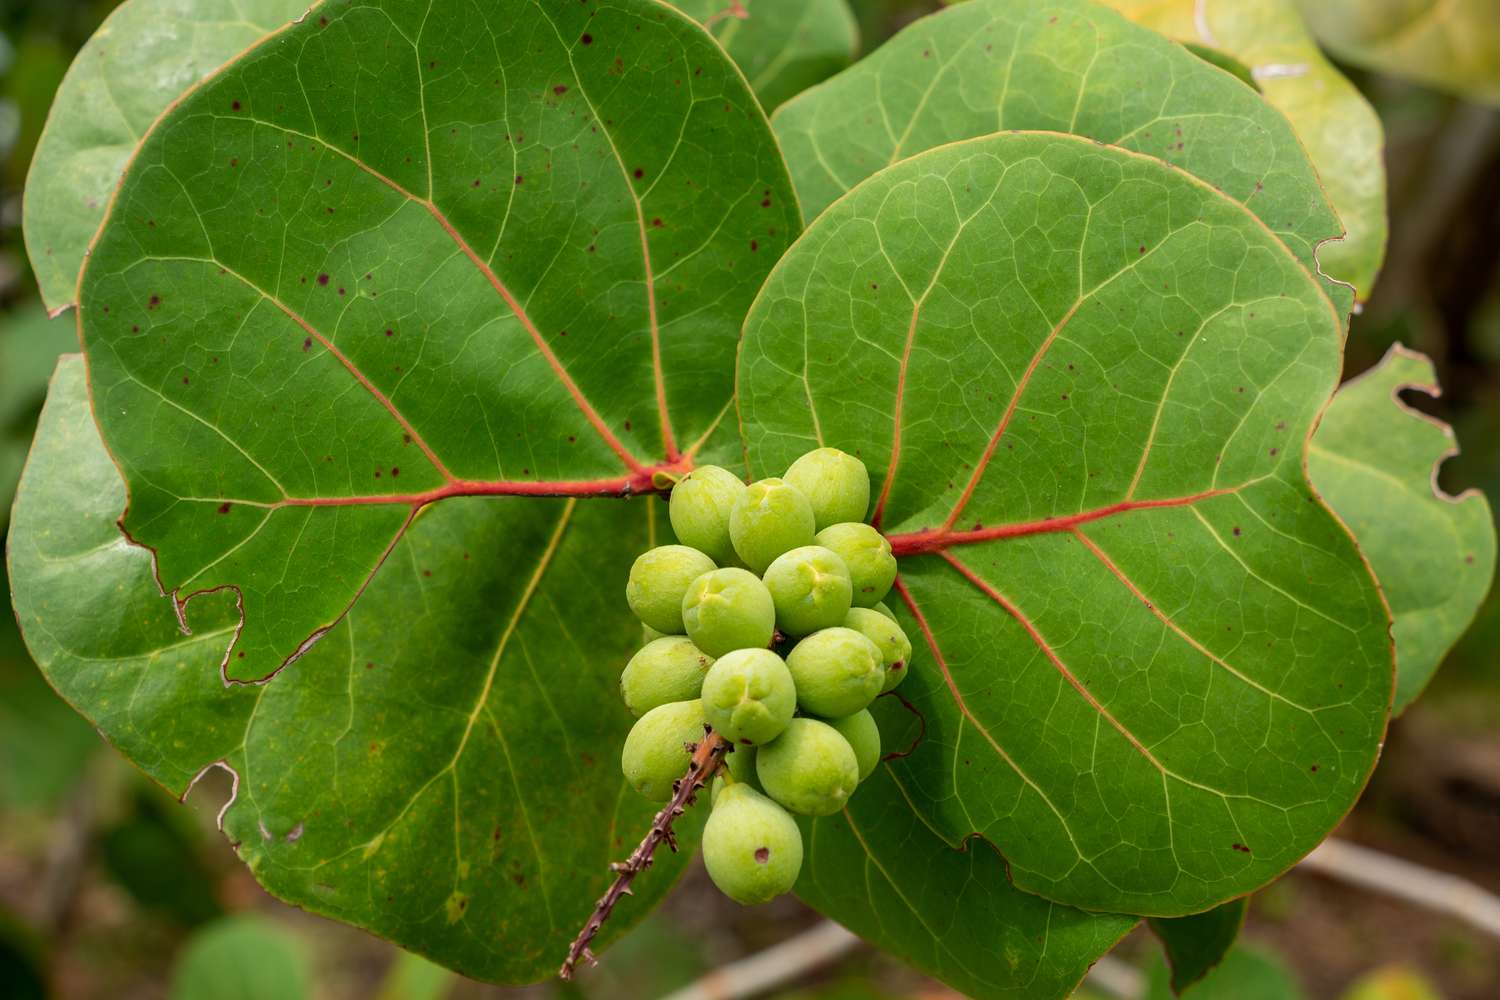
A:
(1342, 134)
(1246, 974)
(1450, 44)
(1154, 669)
(783, 46)
(946, 907)
(387, 778)
(1196, 944)
(374, 264)
(1060, 65)
(242, 958)
(1375, 460)
(139, 61)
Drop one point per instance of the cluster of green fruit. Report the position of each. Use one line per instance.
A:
(766, 624)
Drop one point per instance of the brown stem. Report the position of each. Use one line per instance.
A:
(707, 754)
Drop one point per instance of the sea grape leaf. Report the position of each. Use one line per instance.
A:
(1154, 667)
(947, 908)
(1066, 66)
(1340, 130)
(1195, 945)
(1449, 44)
(392, 255)
(1375, 461)
(388, 778)
(142, 58)
(783, 46)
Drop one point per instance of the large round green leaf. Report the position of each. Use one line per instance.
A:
(1067, 66)
(139, 61)
(1334, 121)
(395, 254)
(1154, 668)
(1376, 461)
(440, 769)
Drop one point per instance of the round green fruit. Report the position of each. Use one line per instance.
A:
(659, 747)
(667, 669)
(699, 510)
(810, 768)
(769, 518)
(751, 847)
(884, 609)
(740, 763)
(811, 589)
(864, 738)
(837, 672)
(888, 637)
(835, 484)
(867, 555)
(658, 579)
(728, 609)
(748, 696)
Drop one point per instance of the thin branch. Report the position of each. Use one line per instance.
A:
(1434, 890)
(777, 966)
(706, 755)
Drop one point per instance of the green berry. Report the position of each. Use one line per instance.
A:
(834, 482)
(649, 634)
(837, 671)
(810, 588)
(810, 768)
(751, 847)
(894, 646)
(769, 518)
(728, 609)
(667, 669)
(748, 696)
(700, 507)
(658, 579)
(866, 553)
(863, 736)
(884, 609)
(659, 748)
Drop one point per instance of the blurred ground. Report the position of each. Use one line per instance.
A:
(104, 880)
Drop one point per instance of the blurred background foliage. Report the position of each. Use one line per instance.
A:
(109, 888)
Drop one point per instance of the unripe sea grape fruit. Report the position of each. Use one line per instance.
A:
(867, 555)
(728, 609)
(667, 669)
(810, 768)
(835, 484)
(864, 738)
(751, 847)
(658, 749)
(699, 510)
(837, 672)
(811, 589)
(658, 579)
(884, 609)
(748, 696)
(741, 765)
(769, 518)
(888, 637)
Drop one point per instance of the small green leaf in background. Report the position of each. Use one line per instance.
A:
(153, 854)
(1342, 134)
(392, 777)
(1065, 66)
(412, 977)
(782, 46)
(140, 60)
(23, 968)
(1393, 982)
(1375, 460)
(1453, 45)
(242, 958)
(947, 908)
(1154, 669)
(29, 346)
(1247, 973)
(1196, 944)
